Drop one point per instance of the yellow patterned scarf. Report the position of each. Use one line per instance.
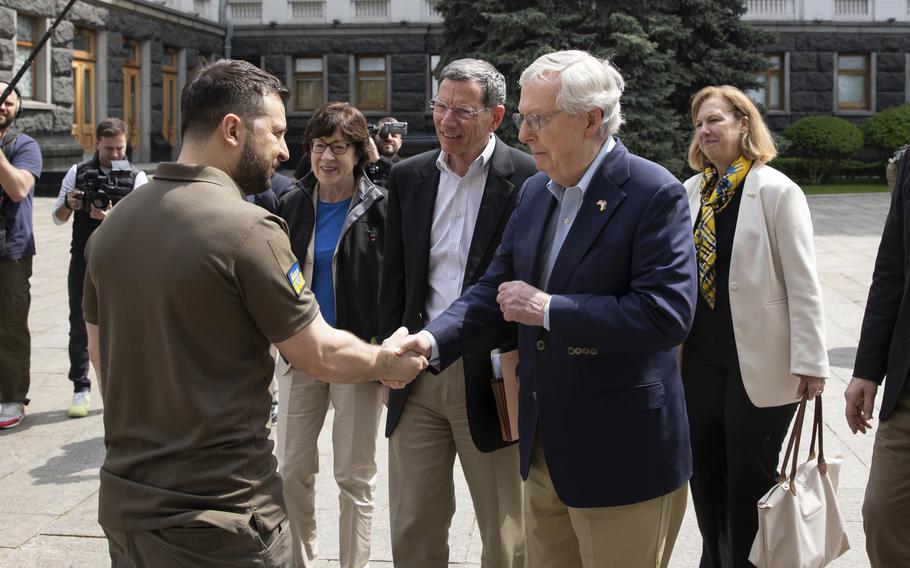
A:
(715, 196)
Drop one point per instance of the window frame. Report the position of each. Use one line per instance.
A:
(39, 73)
(868, 73)
(296, 75)
(357, 75)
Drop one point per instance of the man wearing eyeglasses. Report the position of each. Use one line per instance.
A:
(446, 213)
(598, 269)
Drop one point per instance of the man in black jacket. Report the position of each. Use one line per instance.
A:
(883, 351)
(446, 214)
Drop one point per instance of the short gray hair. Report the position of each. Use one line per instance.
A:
(585, 83)
(491, 81)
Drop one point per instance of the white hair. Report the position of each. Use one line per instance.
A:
(585, 83)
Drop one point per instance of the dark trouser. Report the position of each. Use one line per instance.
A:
(200, 547)
(735, 450)
(78, 346)
(886, 508)
(15, 341)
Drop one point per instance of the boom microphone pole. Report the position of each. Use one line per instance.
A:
(34, 54)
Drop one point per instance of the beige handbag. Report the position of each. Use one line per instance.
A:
(799, 525)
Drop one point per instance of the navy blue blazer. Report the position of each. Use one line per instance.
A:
(602, 388)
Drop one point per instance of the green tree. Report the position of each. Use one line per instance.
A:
(888, 130)
(821, 143)
(665, 49)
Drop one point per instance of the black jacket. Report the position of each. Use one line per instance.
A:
(882, 346)
(413, 185)
(358, 257)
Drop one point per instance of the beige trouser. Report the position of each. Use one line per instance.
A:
(433, 428)
(629, 536)
(302, 405)
(886, 508)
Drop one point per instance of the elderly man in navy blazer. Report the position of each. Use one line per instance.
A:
(598, 268)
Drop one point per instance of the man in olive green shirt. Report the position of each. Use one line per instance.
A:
(187, 286)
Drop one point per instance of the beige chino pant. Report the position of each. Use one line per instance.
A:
(432, 430)
(886, 507)
(302, 406)
(640, 535)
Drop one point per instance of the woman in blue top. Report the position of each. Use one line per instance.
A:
(336, 219)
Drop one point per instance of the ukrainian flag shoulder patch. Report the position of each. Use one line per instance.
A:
(295, 277)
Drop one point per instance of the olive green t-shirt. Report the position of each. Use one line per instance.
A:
(189, 284)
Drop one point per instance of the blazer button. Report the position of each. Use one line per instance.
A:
(541, 345)
(534, 395)
(734, 285)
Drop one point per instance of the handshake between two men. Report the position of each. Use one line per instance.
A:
(518, 301)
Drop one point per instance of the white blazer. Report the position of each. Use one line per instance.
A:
(775, 296)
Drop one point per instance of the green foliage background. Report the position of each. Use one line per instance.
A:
(666, 50)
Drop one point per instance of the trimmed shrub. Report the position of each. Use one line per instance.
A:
(889, 129)
(821, 142)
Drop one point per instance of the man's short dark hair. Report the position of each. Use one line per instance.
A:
(347, 119)
(221, 87)
(111, 127)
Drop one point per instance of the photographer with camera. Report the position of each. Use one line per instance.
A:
(90, 189)
(20, 167)
(387, 134)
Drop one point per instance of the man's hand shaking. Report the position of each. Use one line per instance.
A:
(407, 363)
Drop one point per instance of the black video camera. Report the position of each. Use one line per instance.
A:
(388, 129)
(102, 189)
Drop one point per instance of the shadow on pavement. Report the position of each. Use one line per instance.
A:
(842, 357)
(80, 462)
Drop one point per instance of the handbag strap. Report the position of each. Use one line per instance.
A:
(818, 428)
(793, 446)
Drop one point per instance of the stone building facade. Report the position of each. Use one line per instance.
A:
(849, 58)
(376, 54)
(122, 58)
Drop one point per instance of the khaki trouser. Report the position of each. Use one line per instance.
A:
(432, 430)
(629, 536)
(204, 546)
(302, 406)
(886, 508)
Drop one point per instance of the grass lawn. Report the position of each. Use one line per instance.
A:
(829, 189)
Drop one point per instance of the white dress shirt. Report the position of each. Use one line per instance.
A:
(454, 217)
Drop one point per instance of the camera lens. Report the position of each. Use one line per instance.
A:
(101, 199)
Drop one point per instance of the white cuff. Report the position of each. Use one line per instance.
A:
(434, 347)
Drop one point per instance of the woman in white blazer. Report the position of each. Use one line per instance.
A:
(758, 339)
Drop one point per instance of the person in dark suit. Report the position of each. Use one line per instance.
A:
(882, 352)
(446, 213)
(597, 267)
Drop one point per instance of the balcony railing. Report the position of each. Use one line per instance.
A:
(851, 8)
(770, 7)
(245, 11)
(371, 9)
(308, 10)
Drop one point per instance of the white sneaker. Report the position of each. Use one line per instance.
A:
(11, 414)
(79, 406)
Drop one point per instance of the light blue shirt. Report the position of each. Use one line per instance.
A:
(570, 200)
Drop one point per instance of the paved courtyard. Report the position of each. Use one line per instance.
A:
(49, 465)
